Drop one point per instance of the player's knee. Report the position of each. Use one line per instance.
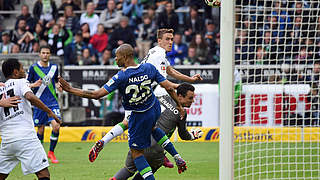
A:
(56, 128)
(136, 153)
(43, 174)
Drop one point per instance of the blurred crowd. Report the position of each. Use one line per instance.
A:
(89, 36)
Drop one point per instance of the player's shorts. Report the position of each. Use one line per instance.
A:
(154, 156)
(140, 126)
(41, 118)
(30, 153)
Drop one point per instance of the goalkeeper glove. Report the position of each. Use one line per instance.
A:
(195, 133)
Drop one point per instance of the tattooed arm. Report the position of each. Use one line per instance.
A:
(97, 94)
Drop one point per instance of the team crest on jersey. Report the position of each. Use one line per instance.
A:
(110, 82)
(46, 80)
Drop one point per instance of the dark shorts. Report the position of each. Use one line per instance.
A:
(140, 126)
(41, 118)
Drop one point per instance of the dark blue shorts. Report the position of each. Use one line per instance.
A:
(140, 126)
(41, 118)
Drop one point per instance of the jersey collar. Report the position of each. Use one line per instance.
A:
(39, 64)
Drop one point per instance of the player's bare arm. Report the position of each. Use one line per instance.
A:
(170, 88)
(82, 93)
(177, 75)
(9, 102)
(36, 84)
(38, 103)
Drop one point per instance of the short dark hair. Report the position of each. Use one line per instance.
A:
(163, 31)
(184, 88)
(44, 47)
(9, 65)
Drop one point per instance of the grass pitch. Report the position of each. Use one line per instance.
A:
(202, 161)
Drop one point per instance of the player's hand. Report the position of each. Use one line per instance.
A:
(10, 102)
(55, 117)
(196, 133)
(2, 84)
(181, 110)
(36, 84)
(64, 84)
(197, 77)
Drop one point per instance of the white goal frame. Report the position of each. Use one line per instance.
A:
(226, 90)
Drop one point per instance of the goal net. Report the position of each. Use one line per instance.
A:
(276, 97)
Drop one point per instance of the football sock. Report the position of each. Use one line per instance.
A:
(164, 141)
(40, 137)
(53, 140)
(117, 130)
(144, 168)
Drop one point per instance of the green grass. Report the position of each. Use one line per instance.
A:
(202, 161)
(252, 161)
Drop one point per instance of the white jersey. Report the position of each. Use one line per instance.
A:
(157, 57)
(16, 123)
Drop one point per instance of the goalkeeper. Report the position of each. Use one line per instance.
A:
(168, 121)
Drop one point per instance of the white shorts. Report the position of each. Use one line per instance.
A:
(30, 153)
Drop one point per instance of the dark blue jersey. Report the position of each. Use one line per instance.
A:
(134, 83)
(43, 92)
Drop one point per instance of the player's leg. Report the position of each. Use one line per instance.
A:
(33, 158)
(54, 134)
(3, 176)
(140, 128)
(142, 164)
(43, 174)
(40, 118)
(8, 161)
(164, 141)
(117, 130)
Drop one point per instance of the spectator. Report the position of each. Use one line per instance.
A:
(85, 33)
(193, 24)
(56, 40)
(66, 3)
(17, 34)
(179, 50)
(15, 48)
(119, 4)
(202, 49)
(91, 18)
(99, 41)
(25, 15)
(87, 59)
(110, 17)
(5, 45)
(63, 30)
(26, 42)
(210, 34)
(72, 21)
(121, 35)
(168, 18)
(146, 32)
(38, 33)
(261, 56)
(100, 4)
(45, 12)
(315, 75)
(73, 55)
(191, 59)
(215, 50)
(106, 58)
(133, 9)
(36, 47)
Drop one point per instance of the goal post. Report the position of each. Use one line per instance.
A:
(226, 90)
(271, 129)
